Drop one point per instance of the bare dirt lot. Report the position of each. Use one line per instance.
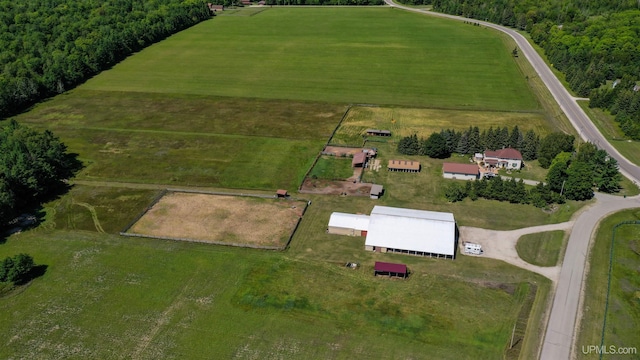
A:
(341, 151)
(233, 220)
(319, 186)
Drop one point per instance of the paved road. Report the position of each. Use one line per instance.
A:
(567, 102)
(559, 338)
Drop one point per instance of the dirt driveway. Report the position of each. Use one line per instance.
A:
(501, 245)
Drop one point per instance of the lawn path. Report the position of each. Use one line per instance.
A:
(94, 215)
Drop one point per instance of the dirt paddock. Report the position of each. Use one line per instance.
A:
(231, 220)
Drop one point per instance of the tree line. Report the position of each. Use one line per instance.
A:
(33, 165)
(440, 145)
(572, 176)
(48, 46)
(592, 42)
(495, 188)
(304, 2)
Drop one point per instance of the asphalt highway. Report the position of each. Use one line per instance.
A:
(559, 338)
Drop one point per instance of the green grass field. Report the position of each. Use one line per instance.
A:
(352, 55)
(408, 121)
(605, 122)
(189, 140)
(332, 168)
(623, 317)
(247, 102)
(106, 296)
(542, 249)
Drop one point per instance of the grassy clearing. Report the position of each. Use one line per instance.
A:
(189, 140)
(332, 168)
(302, 303)
(404, 122)
(623, 318)
(542, 249)
(611, 131)
(344, 55)
(114, 208)
(531, 170)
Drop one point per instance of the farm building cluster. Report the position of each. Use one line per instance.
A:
(484, 164)
(399, 230)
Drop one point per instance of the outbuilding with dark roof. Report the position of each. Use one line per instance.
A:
(390, 269)
(460, 171)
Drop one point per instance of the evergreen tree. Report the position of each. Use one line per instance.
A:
(503, 138)
(492, 140)
(515, 139)
(409, 145)
(607, 177)
(455, 192)
(474, 141)
(463, 144)
(529, 148)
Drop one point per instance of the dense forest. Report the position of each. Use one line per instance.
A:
(48, 46)
(593, 42)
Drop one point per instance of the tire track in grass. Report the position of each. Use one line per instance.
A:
(94, 215)
(161, 322)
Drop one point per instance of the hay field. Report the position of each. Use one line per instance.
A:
(371, 55)
(221, 219)
(408, 121)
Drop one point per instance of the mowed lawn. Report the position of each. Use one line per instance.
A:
(622, 314)
(105, 296)
(345, 55)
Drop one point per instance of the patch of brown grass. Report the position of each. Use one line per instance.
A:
(221, 219)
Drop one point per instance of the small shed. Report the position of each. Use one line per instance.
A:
(376, 191)
(281, 193)
(390, 269)
(404, 165)
(377, 132)
(358, 159)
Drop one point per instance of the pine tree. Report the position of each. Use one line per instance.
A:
(515, 138)
(492, 143)
(463, 144)
(607, 177)
(474, 141)
(529, 148)
(503, 138)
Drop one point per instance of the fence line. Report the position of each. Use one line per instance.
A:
(344, 116)
(155, 200)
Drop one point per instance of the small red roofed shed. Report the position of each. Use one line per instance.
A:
(390, 269)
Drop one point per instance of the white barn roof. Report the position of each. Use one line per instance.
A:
(349, 221)
(413, 230)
